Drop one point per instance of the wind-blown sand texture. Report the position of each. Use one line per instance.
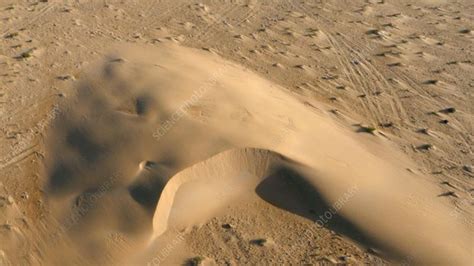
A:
(250, 132)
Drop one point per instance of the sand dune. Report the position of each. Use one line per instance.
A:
(114, 128)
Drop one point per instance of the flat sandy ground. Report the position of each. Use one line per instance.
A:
(394, 77)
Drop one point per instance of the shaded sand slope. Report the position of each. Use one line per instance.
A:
(154, 121)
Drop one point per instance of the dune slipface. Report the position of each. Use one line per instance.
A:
(146, 130)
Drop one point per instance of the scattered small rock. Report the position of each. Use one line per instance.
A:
(25, 195)
(301, 66)
(395, 64)
(345, 258)
(3, 201)
(227, 226)
(11, 35)
(449, 194)
(388, 124)
(424, 131)
(66, 77)
(198, 260)
(449, 110)
(209, 49)
(26, 54)
(259, 242)
(431, 82)
(467, 168)
(425, 147)
(373, 32)
(330, 77)
(367, 129)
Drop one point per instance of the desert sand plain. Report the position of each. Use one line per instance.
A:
(229, 132)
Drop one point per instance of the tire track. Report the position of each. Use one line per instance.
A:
(165, 15)
(418, 90)
(221, 18)
(18, 157)
(379, 80)
(205, 31)
(353, 75)
(369, 70)
(49, 7)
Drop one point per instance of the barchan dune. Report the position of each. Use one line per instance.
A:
(164, 138)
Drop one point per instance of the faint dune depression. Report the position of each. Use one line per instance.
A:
(163, 137)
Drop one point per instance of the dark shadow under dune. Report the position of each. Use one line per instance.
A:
(288, 190)
(147, 188)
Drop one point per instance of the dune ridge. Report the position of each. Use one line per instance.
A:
(233, 164)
